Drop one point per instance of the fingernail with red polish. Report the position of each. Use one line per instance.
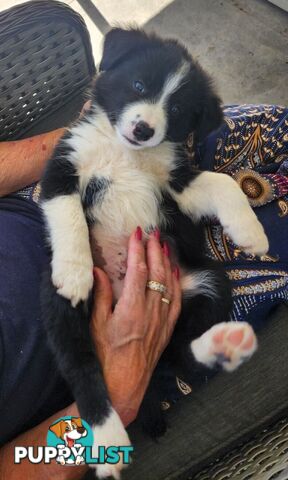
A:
(166, 249)
(156, 233)
(138, 233)
(177, 272)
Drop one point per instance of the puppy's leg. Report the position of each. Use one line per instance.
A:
(216, 194)
(69, 336)
(227, 344)
(151, 416)
(72, 265)
(61, 203)
(204, 338)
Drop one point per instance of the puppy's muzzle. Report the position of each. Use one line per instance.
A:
(142, 132)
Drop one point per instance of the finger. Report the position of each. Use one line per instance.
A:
(175, 306)
(136, 275)
(103, 296)
(169, 281)
(157, 273)
(155, 257)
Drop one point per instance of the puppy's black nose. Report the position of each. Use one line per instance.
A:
(143, 132)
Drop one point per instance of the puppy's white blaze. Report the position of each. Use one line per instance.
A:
(197, 283)
(112, 432)
(174, 82)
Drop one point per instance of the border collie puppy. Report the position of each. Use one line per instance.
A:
(124, 165)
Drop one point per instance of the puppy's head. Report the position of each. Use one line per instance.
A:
(69, 430)
(152, 90)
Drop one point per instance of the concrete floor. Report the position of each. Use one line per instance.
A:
(242, 43)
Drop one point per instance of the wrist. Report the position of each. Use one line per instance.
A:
(126, 379)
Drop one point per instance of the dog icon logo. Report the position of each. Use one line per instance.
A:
(68, 434)
(69, 443)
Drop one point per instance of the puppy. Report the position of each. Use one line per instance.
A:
(124, 165)
(69, 431)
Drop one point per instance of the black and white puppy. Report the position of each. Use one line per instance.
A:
(124, 165)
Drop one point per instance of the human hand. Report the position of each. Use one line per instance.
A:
(131, 338)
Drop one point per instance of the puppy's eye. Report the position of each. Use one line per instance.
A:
(175, 110)
(67, 429)
(138, 86)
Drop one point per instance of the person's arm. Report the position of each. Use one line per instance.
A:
(34, 437)
(132, 337)
(22, 161)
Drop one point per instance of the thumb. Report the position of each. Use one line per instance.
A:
(103, 296)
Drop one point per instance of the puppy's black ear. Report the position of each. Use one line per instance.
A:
(118, 43)
(210, 118)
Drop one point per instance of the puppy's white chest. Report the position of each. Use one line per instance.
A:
(131, 200)
(124, 188)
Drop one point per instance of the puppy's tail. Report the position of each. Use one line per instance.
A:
(68, 331)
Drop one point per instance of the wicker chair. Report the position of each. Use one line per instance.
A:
(46, 65)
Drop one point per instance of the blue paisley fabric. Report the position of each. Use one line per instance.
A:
(252, 147)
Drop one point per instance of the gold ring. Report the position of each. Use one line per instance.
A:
(165, 300)
(156, 286)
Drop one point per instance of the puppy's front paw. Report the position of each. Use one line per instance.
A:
(73, 281)
(247, 232)
(111, 432)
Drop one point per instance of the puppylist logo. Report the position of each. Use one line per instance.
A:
(69, 442)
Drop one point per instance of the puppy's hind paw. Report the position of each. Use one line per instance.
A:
(226, 344)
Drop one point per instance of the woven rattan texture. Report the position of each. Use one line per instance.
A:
(263, 458)
(44, 61)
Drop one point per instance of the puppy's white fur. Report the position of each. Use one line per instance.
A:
(112, 432)
(205, 349)
(136, 176)
(174, 82)
(218, 194)
(198, 283)
(72, 265)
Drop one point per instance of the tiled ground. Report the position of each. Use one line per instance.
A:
(243, 43)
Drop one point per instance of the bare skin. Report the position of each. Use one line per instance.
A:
(138, 339)
(129, 338)
(22, 162)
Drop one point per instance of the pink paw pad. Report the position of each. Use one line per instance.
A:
(227, 344)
